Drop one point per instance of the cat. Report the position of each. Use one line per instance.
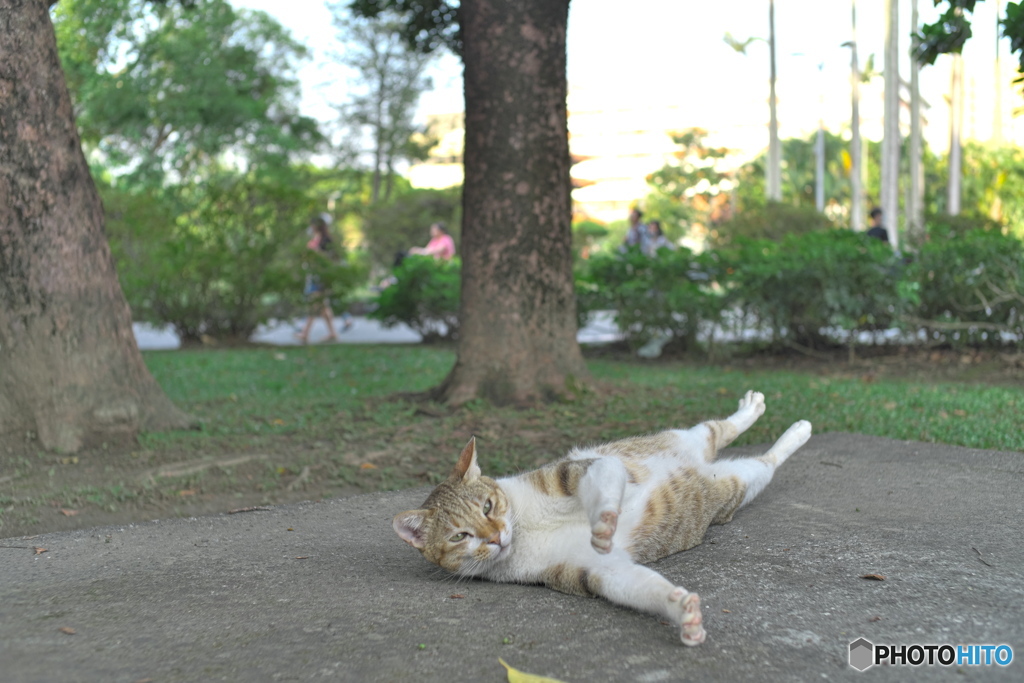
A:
(585, 524)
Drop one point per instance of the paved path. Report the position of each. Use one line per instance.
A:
(363, 331)
(326, 591)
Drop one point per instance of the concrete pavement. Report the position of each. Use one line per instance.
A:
(326, 591)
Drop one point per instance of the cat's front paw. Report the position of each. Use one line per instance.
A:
(601, 533)
(691, 629)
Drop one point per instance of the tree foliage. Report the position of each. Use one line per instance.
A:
(696, 184)
(993, 178)
(218, 259)
(142, 111)
(951, 31)
(389, 84)
(429, 25)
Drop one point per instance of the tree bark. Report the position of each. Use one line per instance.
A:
(517, 335)
(71, 374)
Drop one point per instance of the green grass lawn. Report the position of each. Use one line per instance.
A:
(252, 393)
(302, 423)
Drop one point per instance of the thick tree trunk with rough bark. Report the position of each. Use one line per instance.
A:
(70, 371)
(517, 335)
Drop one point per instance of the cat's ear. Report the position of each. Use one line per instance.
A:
(467, 469)
(411, 527)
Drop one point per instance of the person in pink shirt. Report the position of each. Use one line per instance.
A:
(441, 245)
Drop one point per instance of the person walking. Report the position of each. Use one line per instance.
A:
(316, 293)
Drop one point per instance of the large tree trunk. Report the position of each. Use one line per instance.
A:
(70, 371)
(517, 335)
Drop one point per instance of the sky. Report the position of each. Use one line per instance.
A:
(671, 54)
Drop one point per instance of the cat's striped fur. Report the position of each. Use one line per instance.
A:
(584, 524)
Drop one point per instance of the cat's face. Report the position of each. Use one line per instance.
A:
(464, 523)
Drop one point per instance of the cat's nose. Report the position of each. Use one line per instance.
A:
(495, 539)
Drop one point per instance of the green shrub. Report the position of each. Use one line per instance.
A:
(425, 297)
(669, 293)
(811, 289)
(585, 234)
(220, 258)
(770, 221)
(405, 222)
(946, 227)
(970, 287)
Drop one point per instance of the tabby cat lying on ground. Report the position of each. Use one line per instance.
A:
(582, 525)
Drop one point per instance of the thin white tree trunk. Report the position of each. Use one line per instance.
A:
(819, 168)
(774, 171)
(856, 166)
(956, 119)
(891, 139)
(997, 105)
(915, 207)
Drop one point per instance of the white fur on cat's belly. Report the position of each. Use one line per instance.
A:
(554, 530)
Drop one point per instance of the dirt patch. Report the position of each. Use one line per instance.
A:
(42, 492)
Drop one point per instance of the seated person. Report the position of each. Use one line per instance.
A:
(441, 245)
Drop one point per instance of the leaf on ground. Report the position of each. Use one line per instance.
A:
(517, 676)
(68, 630)
(457, 596)
(187, 492)
(367, 466)
(68, 513)
(40, 551)
(302, 557)
(873, 577)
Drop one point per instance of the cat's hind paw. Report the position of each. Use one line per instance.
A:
(601, 533)
(691, 629)
(753, 400)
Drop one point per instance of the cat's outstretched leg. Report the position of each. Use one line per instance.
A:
(709, 437)
(755, 473)
(792, 439)
(620, 580)
(600, 491)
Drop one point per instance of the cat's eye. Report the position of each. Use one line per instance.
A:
(458, 537)
(487, 508)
